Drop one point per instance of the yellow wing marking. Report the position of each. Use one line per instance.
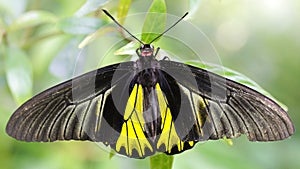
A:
(169, 137)
(199, 108)
(132, 134)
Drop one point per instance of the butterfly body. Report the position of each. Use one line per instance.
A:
(147, 76)
(148, 107)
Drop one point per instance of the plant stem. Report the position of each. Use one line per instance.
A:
(30, 42)
(161, 161)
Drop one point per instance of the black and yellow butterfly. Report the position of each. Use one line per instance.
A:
(148, 106)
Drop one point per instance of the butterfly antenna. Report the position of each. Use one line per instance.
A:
(169, 27)
(112, 18)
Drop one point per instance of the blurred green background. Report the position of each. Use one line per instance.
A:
(38, 48)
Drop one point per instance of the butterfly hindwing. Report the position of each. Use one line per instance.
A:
(149, 120)
(132, 140)
(169, 140)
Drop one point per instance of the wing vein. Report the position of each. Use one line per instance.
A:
(137, 138)
(68, 120)
(226, 115)
(212, 119)
(267, 122)
(55, 121)
(99, 118)
(241, 118)
(195, 112)
(251, 117)
(84, 118)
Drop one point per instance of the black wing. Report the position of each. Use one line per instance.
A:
(208, 106)
(73, 109)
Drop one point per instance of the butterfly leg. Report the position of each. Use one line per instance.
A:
(157, 51)
(137, 52)
(166, 58)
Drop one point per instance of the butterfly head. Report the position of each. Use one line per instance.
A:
(146, 50)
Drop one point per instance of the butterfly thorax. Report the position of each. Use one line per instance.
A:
(147, 66)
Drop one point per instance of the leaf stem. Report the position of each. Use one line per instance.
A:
(25, 45)
(161, 161)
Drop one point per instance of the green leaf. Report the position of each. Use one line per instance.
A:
(112, 153)
(194, 5)
(18, 74)
(43, 52)
(128, 49)
(123, 10)
(31, 19)
(235, 76)
(228, 141)
(76, 25)
(161, 161)
(63, 64)
(155, 21)
(90, 6)
(90, 38)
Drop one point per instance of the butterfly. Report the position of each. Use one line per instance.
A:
(142, 107)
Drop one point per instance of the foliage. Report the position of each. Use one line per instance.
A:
(39, 40)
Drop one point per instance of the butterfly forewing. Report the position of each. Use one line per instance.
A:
(61, 112)
(231, 109)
